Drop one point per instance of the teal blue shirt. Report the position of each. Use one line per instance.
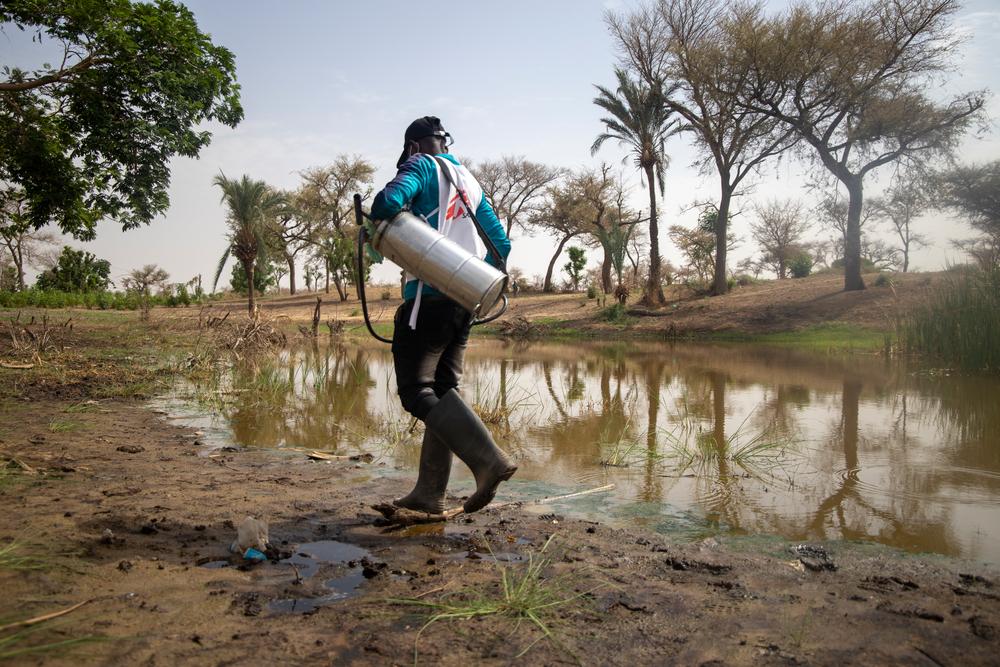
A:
(416, 186)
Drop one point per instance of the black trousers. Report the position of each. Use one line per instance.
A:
(428, 359)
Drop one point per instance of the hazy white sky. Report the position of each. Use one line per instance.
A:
(513, 77)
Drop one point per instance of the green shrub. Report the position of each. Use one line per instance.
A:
(867, 266)
(801, 265)
(882, 280)
(39, 298)
(591, 292)
(616, 314)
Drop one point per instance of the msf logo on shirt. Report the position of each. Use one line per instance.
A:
(456, 209)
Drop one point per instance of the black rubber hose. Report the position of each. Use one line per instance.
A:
(362, 237)
(503, 309)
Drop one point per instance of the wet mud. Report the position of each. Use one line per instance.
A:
(139, 520)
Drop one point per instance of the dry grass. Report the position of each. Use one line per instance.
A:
(520, 328)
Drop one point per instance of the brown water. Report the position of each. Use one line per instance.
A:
(696, 438)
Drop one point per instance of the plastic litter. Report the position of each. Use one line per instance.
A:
(254, 556)
(251, 540)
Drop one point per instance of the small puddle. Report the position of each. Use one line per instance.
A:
(308, 559)
(215, 564)
(498, 556)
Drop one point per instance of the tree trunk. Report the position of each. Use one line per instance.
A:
(606, 273)
(327, 278)
(547, 285)
(720, 284)
(248, 271)
(291, 274)
(852, 239)
(719, 423)
(654, 292)
(20, 275)
(341, 289)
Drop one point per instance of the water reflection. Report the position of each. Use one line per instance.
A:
(846, 447)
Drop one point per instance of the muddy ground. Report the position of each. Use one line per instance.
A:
(129, 512)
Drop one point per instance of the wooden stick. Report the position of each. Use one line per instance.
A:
(400, 516)
(43, 617)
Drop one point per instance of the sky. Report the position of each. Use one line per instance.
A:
(507, 78)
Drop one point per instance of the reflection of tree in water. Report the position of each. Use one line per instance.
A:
(652, 489)
(776, 413)
(610, 421)
(574, 385)
(315, 397)
(901, 524)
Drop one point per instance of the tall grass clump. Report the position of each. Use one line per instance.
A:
(959, 321)
(523, 595)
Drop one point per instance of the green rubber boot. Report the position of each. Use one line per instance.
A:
(432, 480)
(466, 435)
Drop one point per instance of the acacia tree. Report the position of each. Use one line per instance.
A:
(566, 213)
(902, 203)
(252, 210)
(93, 137)
(639, 119)
(697, 244)
(973, 191)
(833, 214)
(140, 281)
(326, 199)
(685, 42)
(292, 233)
(779, 229)
(25, 245)
(514, 186)
(602, 192)
(848, 76)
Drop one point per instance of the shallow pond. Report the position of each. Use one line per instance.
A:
(696, 438)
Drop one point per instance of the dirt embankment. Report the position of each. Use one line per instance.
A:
(129, 514)
(769, 307)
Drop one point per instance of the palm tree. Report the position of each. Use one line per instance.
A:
(253, 207)
(640, 120)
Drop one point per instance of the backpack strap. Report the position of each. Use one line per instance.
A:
(487, 241)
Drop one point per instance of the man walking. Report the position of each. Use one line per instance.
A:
(431, 330)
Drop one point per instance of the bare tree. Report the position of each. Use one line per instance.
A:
(902, 203)
(25, 245)
(779, 229)
(514, 186)
(685, 42)
(849, 77)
